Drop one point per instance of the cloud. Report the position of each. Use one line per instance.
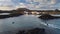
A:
(53, 1)
(21, 5)
(48, 4)
(31, 4)
(6, 5)
(6, 8)
(6, 0)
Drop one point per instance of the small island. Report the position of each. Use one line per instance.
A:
(47, 16)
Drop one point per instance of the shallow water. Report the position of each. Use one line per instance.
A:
(27, 22)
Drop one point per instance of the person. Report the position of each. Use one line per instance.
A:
(13, 22)
(47, 24)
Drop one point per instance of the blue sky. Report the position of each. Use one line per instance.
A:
(30, 4)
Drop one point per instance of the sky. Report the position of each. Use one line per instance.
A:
(30, 4)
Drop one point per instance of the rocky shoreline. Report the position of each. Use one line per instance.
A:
(10, 15)
(33, 31)
(47, 16)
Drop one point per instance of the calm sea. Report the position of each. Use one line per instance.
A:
(13, 24)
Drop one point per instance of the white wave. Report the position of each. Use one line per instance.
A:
(50, 25)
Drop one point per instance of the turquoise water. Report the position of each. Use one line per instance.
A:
(25, 22)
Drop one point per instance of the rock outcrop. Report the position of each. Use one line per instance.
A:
(47, 16)
(33, 31)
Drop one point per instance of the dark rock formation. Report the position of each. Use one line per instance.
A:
(15, 14)
(47, 16)
(11, 15)
(33, 31)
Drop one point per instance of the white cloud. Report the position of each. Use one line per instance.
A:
(8, 4)
(53, 1)
(42, 3)
(5, 0)
(6, 8)
(21, 5)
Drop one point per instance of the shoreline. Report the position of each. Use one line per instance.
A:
(10, 15)
(48, 16)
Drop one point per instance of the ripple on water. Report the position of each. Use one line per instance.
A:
(23, 22)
